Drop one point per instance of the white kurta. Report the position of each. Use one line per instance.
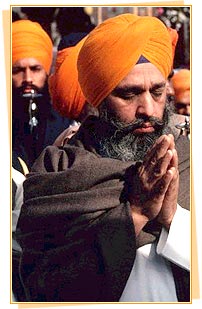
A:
(18, 178)
(151, 278)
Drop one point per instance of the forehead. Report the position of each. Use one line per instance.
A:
(26, 62)
(184, 98)
(142, 74)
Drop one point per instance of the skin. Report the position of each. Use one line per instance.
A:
(170, 91)
(27, 72)
(182, 104)
(143, 93)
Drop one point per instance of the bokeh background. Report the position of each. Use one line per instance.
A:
(62, 20)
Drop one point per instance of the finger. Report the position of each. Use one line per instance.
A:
(174, 161)
(162, 185)
(153, 169)
(157, 171)
(159, 150)
(170, 201)
(172, 141)
(167, 162)
(175, 181)
(152, 155)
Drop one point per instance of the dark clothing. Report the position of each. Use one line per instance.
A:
(76, 228)
(71, 40)
(28, 145)
(17, 287)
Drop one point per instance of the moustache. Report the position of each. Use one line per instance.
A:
(21, 90)
(26, 84)
(140, 123)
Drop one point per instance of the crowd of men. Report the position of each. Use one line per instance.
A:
(101, 172)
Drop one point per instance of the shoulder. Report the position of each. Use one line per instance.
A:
(59, 159)
(65, 136)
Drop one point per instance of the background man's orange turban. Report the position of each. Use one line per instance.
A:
(181, 83)
(174, 39)
(115, 46)
(66, 94)
(29, 40)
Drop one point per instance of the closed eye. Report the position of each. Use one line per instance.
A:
(16, 70)
(157, 90)
(157, 93)
(35, 68)
(127, 93)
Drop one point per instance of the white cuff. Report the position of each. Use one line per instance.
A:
(175, 244)
(18, 198)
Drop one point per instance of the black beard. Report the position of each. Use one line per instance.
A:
(118, 140)
(20, 104)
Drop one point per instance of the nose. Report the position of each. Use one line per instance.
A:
(27, 77)
(169, 88)
(145, 105)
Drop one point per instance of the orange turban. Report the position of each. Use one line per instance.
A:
(29, 40)
(174, 39)
(65, 91)
(181, 83)
(115, 46)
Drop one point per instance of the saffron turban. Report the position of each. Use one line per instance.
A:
(67, 97)
(114, 47)
(174, 39)
(29, 40)
(181, 83)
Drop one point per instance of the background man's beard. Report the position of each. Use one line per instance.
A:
(17, 92)
(20, 105)
(20, 91)
(118, 141)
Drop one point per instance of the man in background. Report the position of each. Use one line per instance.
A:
(181, 85)
(34, 122)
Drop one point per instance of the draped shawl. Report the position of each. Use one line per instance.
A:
(76, 228)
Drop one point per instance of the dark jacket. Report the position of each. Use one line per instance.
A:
(28, 145)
